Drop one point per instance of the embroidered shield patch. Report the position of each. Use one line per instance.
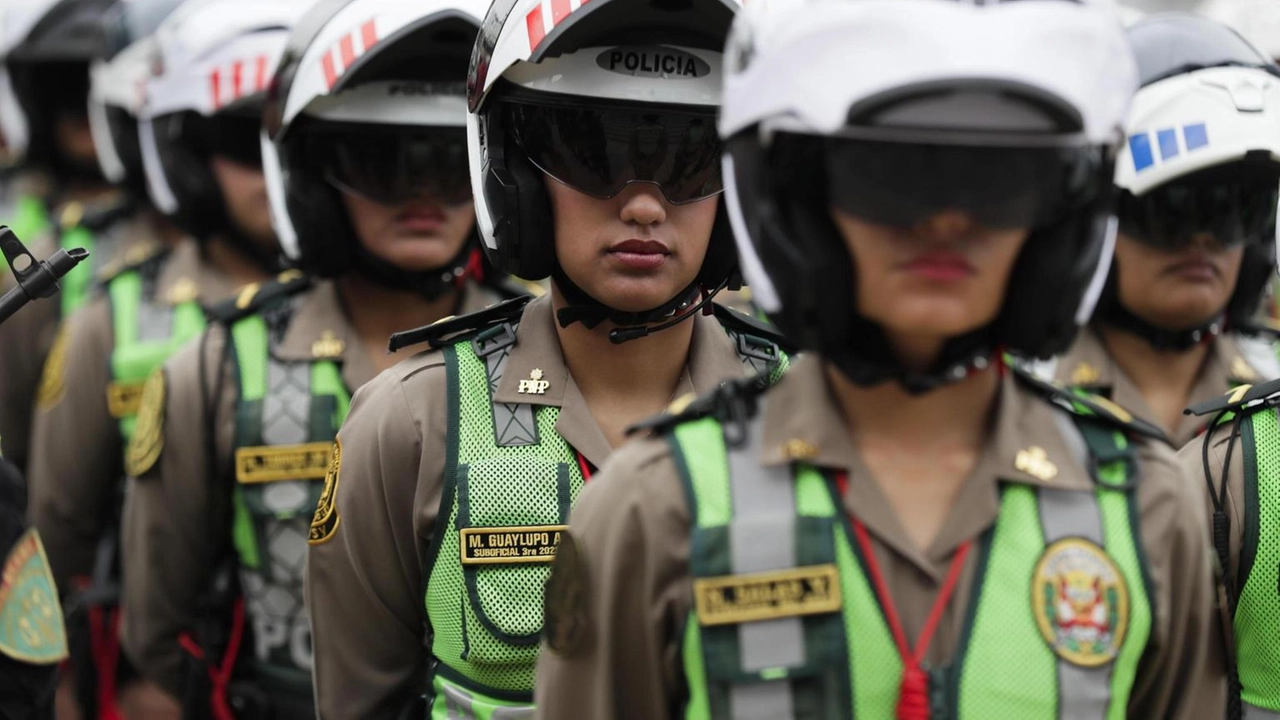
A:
(148, 435)
(324, 524)
(31, 627)
(53, 381)
(1081, 602)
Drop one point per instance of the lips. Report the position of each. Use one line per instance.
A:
(640, 254)
(421, 218)
(1194, 270)
(940, 266)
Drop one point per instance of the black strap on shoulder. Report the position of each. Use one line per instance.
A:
(1101, 409)
(1249, 398)
(253, 298)
(1105, 449)
(464, 325)
(734, 403)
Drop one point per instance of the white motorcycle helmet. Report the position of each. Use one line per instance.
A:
(1256, 20)
(371, 100)
(894, 110)
(213, 62)
(1203, 155)
(597, 95)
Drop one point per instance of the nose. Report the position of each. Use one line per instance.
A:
(946, 225)
(642, 204)
(1207, 241)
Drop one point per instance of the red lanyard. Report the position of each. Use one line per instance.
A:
(913, 693)
(585, 467)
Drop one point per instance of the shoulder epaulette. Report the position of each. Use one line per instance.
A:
(734, 401)
(740, 322)
(1239, 398)
(140, 257)
(510, 288)
(458, 326)
(96, 217)
(1089, 405)
(253, 297)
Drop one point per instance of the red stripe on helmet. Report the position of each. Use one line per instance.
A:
(237, 80)
(536, 29)
(330, 72)
(369, 34)
(347, 46)
(260, 74)
(215, 87)
(560, 10)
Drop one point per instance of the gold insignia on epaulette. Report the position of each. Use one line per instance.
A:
(1084, 374)
(324, 524)
(681, 403)
(1241, 370)
(72, 214)
(148, 434)
(184, 290)
(1115, 410)
(1035, 462)
(328, 346)
(31, 623)
(246, 295)
(1237, 394)
(288, 276)
(53, 380)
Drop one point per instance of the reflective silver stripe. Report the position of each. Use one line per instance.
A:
(762, 538)
(1083, 693)
(286, 408)
(155, 321)
(514, 424)
(1253, 712)
(459, 705)
(760, 701)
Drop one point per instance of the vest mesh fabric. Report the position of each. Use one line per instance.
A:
(1257, 618)
(486, 618)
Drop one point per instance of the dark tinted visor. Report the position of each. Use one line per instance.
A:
(228, 135)
(600, 150)
(901, 184)
(393, 164)
(1235, 205)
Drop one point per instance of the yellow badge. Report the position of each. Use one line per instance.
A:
(183, 291)
(505, 545)
(53, 382)
(31, 624)
(148, 434)
(535, 385)
(324, 525)
(1084, 374)
(1081, 602)
(308, 461)
(1241, 370)
(328, 346)
(123, 398)
(797, 449)
(1235, 395)
(1035, 462)
(732, 599)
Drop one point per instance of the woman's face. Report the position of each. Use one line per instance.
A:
(244, 189)
(940, 278)
(1176, 289)
(421, 234)
(633, 252)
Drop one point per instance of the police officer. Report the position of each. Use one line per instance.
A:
(903, 526)
(32, 637)
(207, 155)
(57, 196)
(1196, 247)
(368, 172)
(595, 162)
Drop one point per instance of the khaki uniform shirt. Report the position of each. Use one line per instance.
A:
(1233, 360)
(365, 585)
(76, 449)
(28, 337)
(176, 514)
(629, 665)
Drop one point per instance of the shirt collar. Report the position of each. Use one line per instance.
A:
(186, 277)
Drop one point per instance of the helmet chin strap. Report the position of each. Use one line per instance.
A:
(430, 284)
(271, 262)
(875, 363)
(631, 325)
(1119, 317)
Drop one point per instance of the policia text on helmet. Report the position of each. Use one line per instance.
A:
(544, 150)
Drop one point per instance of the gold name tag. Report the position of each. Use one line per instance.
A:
(732, 599)
(123, 398)
(525, 544)
(309, 461)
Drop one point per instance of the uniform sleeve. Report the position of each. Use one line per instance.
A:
(175, 521)
(25, 340)
(364, 579)
(630, 528)
(1179, 677)
(75, 452)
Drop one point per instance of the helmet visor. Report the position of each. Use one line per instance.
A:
(1235, 206)
(901, 184)
(393, 165)
(229, 135)
(598, 151)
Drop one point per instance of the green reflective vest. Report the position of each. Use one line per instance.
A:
(509, 483)
(148, 330)
(29, 218)
(287, 415)
(1257, 613)
(786, 623)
